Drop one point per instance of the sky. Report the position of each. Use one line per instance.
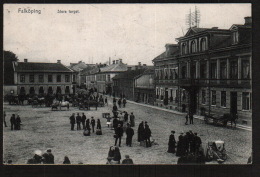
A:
(97, 32)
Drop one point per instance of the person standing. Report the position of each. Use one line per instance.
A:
(93, 123)
(18, 122)
(180, 146)
(48, 158)
(4, 119)
(115, 124)
(98, 124)
(115, 110)
(78, 118)
(124, 102)
(147, 135)
(126, 117)
(119, 134)
(114, 100)
(106, 103)
(117, 155)
(127, 160)
(132, 120)
(187, 118)
(171, 143)
(12, 120)
(191, 118)
(129, 135)
(140, 132)
(197, 142)
(72, 121)
(83, 119)
(109, 121)
(66, 160)
(119, 102)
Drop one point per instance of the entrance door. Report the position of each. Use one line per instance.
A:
(166, 97)
(233, 103)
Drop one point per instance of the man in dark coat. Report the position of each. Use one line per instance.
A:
(126, 117)
(115, 123)
(48, 158)
(186, 143)
(191, 118)
(72, 121)
(191, 142)
(147, 135)
(93, 123)
(78, 118)
(129, 135)
(197, 142)
(127, 160)
(132, 120)
(124, 102)
(140, 132)
(171, 143)
(83, 119)
(18, 122)
(114, 100)
(119, 134)
(180, 146)
(115, 111)
(187, 119)
(88, 125)
(12, 120)
(119, 102)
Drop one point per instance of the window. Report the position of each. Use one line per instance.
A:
(245, 69)
(49, 78)
(246, 101)
(213, 70)
(203, 97)
(165, 73)
(31, 78)
(108, 77)
(183, 72)
(32, 90)
(67, 78)
(67, 90)
(183, 95)
(213, 97)
(50, 90)
(203, 44)
(233, 70)
(223, 70)
(22, 78)
(59, 78)
(41, 78)
(223, 99)
(41, 90)
(58, 89)
(193, 47)
(184, 49)
(193, 70)
(235, 37)
(203, 70)
(74, 78)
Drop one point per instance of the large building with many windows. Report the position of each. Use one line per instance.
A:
(214, 71)
(40, 78)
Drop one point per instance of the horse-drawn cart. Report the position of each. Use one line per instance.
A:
(220, 120)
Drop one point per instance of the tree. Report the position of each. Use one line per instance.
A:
(9, 57)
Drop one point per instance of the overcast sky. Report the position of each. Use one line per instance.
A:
(133, 32)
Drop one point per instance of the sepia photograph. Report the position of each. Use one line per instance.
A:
(109, 84)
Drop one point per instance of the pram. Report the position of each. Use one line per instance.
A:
(215, 150)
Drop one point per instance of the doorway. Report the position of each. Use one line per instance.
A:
(233, 103)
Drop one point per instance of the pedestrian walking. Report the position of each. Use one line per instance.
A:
(106, 103)
(88, 125)
(124, 102)
(72, 121)
(115, 123)
(83, 120)
(126, 117)
(93, 123)
(66, 160)
(78, 118)
(147, 135)
(171, 143)
(115, 110)
(119, 102)
(129, 135)
(18, 122)
(187, 118)
(118, 134)
(98, 124)
(191, 118)
(127, 160)
(4, 119)
(12, 121)
(140, 132)
(48, 158)
(132, 120)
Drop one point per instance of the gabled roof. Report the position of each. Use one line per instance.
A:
(130, 74)
(119, 67)
(239, 26)
(40, 67)
(194, 30)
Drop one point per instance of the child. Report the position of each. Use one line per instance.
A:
(108, 121)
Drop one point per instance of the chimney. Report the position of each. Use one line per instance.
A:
(113, 61)
(25, 60)
(139, 63)
(58, 61)
(248, 20)
(214, 28)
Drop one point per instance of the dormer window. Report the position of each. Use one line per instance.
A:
(193, 47)
(235, 37)
(203, 45)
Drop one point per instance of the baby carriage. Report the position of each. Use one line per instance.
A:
(215, 150)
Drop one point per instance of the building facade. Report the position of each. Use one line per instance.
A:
(42, 78)
(214, 71)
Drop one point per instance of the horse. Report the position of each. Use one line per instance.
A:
(59, 104)
(232, 118)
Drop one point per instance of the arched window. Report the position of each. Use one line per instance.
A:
(203, 44)
(184, 49)
(193, 47)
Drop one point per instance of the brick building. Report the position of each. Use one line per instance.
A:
(39, 78)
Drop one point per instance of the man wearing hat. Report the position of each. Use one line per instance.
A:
(93, 123)
(72, 121)
(180, 146)
(129, 135)
(48, 158)
(119, 133)
(132, 120)
(171, 143)
(127, 160)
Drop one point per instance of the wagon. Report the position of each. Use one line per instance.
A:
(216, 120)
